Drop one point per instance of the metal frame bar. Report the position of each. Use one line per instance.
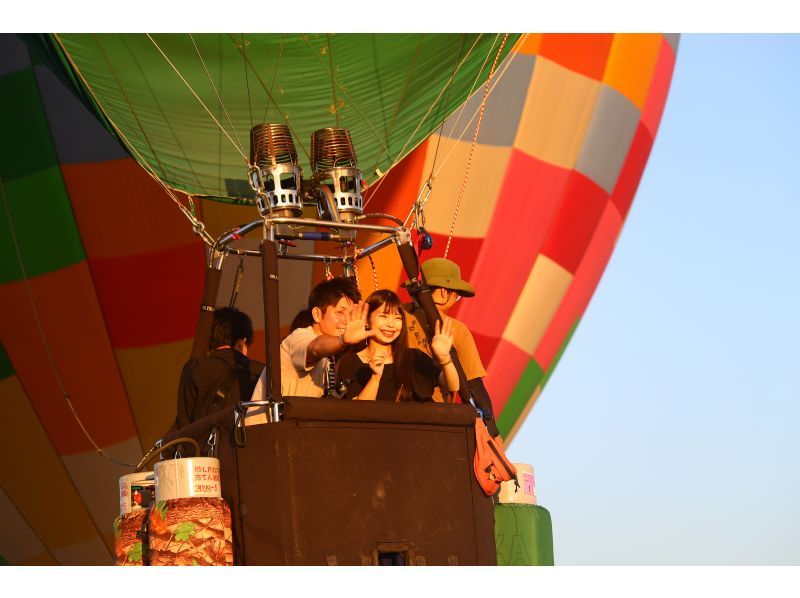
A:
(220, 246)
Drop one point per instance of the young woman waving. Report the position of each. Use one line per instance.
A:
(386, 369)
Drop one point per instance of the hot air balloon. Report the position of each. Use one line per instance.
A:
(532, 147)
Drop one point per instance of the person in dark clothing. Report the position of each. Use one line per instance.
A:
(225, 375)
(386, 369)
(303, 319)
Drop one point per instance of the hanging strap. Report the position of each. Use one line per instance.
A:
(331, 374)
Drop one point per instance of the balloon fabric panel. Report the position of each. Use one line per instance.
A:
(27, 146)
(28, 437)
(78, 136)
(498, 127)
(584, 53)
(41, 220)
(480, 195)
(19, 543)
(631, 63)
(503, 374)
(571, 230)
(529, 44)
(73, 325)
(540, 297)
(608, 138)
(654, 108)
(150, 299)
(151, 376)
(517, 393)
(557, 112)
(632, 170)
(582, 288)
(120, 212)
(527, 203)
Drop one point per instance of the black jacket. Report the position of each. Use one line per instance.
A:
(214, 382)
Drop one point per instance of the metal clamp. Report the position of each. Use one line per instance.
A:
(239, 434)
(212, 443)
(274, 411)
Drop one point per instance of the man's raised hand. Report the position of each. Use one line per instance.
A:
(355, 329)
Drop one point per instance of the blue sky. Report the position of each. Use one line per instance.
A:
(669, 431)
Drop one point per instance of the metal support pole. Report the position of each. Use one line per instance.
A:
(202, 333)
(269, 266)
(421, 292)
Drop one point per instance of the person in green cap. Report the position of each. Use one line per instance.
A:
(447, 288)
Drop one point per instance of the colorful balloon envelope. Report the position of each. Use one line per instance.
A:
(101, 275)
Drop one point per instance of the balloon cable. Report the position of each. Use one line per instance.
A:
(130, 105)
(460, 136)
(335, 106)
(214, 118)
(274, 76)
(472, 147)
(46, 345)
(423, 197)
(197, 225)
(343, 93)
(247, 80)
(285, 117)
(216, 91)
(444, 114)
(402, 152)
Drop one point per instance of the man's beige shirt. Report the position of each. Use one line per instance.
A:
(297, 380)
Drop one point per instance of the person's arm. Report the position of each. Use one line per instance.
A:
(355, 331)
(370, 390)
(324, 345)
(484, 403)
(441, 343)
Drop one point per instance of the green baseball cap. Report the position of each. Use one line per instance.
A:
(444, 273)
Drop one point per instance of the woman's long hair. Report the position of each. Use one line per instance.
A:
(401, 355)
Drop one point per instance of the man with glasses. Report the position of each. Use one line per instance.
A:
(447, 288)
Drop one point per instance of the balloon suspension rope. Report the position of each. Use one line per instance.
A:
(438, 98)
(472, 147)
(374, 272)
(421, 201)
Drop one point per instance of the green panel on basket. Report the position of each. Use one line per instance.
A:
(523, 535)
(43, 224)
(6, 369)
(519, 396)
(26, 145)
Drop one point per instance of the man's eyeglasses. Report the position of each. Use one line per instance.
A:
(447, 296)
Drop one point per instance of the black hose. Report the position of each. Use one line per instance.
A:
(151, 454)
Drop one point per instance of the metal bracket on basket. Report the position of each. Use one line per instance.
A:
(274, 411)
(274, 414)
